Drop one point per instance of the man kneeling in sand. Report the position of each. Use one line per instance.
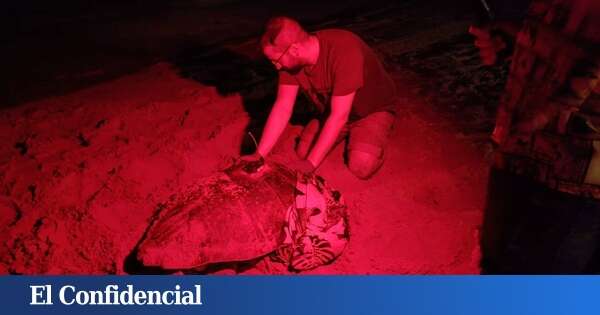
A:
(351, 92)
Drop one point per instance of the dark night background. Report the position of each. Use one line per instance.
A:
(53, 47)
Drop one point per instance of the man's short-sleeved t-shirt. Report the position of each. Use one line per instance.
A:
(345, 64)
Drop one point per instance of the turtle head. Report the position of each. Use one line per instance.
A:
(247, 169)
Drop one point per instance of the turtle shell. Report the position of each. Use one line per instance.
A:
(236, 215)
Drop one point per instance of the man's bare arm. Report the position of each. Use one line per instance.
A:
(340, 111)
(278, 118)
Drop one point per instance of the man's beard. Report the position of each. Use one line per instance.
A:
(293, 69)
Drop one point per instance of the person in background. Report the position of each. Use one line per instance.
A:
(543, 206)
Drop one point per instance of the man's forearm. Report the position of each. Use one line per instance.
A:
(329, 134)
(278, 119)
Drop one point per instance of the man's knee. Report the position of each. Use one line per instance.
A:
(362, 164)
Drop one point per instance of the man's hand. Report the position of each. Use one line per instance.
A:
(340, 111)
(489, 45)
(302, 166)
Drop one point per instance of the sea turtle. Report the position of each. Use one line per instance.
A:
(250, 210)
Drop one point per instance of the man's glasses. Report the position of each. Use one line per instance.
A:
(276, 62)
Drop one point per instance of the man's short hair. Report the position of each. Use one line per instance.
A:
(281, 31)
